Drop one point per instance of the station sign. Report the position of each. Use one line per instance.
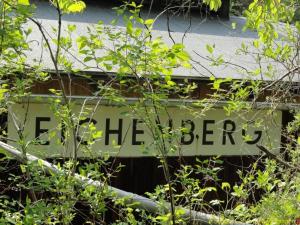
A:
(118, 131)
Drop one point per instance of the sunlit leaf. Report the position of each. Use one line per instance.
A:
(149, 22)
(23, 2)
(76, 7)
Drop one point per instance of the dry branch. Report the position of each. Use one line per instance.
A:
(143, 202)
(279, 160)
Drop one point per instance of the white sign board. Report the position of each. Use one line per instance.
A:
(125, 135)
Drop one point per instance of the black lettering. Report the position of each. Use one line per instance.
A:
(254, 141)
(227, 132)
(206, 132)
(135, 132)
(190, 133)
(63, 133)
(39, 131)
(87, 120)
(118, 131)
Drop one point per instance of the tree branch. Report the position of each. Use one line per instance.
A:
(129, 198)
(281, 78)
(273, 156)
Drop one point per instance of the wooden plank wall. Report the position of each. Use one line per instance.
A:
(139, 175)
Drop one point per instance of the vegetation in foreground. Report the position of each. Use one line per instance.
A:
(268, 191)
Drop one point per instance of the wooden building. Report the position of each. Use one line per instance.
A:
(213, 134)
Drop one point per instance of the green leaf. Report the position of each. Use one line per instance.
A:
(2, 151)
(225, 185)
(23, 2)
(81, 42)
(214, 5)
(216, 84)
(71, 28)
(209, 48)
(178, 46)
(183, 55)
(233, 25)
(149, 22)
(40, 163)
(129, 27)
(256, 43)
(167, 78)
(2, 93)
(76, 7)
(98, 134)
(171, 83)
(87, 59)
(23, 168)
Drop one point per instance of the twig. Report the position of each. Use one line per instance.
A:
(129, 198)
(281, 78)
(273, 156)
